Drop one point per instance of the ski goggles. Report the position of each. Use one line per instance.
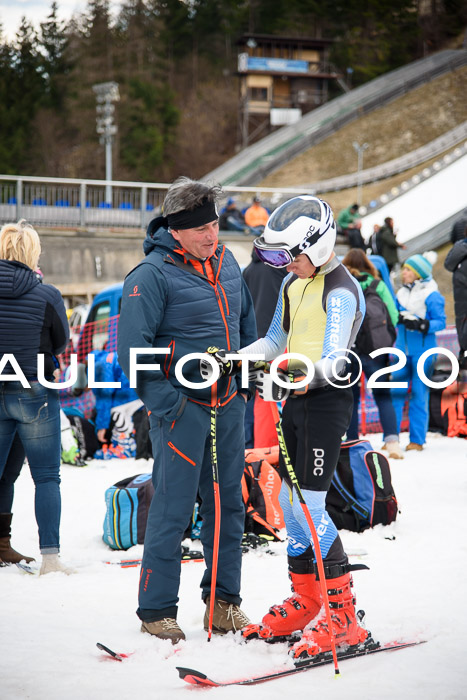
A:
(275, 257)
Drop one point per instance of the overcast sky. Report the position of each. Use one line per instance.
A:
(36, 11)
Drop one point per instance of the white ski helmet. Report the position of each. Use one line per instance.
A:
(304, 224)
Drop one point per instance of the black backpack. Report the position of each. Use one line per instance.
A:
(377, 330)
(361, 494)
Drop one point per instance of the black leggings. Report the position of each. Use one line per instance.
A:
(313, 427)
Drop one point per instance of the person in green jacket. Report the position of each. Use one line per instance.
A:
(350, 223)
(348, 216)
(365, 272)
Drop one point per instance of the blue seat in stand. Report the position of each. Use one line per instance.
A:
(62, 203)
(104, 205)
(125, 205)
(39, 202)
(12, 200)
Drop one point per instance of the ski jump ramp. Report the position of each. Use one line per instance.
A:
(424, 215)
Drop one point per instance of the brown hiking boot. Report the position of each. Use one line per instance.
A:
(166, 628)
(414, 446)
(226, 617)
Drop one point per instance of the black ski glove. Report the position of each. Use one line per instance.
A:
(416, 324)
(226, 367)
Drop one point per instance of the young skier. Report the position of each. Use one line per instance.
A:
(319, 311)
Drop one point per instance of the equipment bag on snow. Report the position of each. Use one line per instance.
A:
(261, 485)
(448, 406)
(377, 330)
(361, 493)
(127, 504)
(85, 433)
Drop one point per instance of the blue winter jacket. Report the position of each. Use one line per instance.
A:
(108, 370)
(32, 319)
(168, 304)
(422, 300)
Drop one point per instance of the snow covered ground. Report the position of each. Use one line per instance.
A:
(415, 590)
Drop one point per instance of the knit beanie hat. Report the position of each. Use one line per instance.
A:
(422, 265)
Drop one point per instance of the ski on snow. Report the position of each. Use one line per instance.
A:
(191, 555)
(113, 654)
(197, 678)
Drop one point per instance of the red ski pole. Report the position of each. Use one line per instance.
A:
(311, 525)
(217, 507)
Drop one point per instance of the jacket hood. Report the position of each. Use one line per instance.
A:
(365, 279)
(158, 236)
(16, 279)
(424, 287)
(456, 255)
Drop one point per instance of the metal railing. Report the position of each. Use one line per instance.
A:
(73, 203)
(82, 203)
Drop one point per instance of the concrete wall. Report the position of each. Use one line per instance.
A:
(81, 263)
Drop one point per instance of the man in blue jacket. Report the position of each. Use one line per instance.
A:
(185, 296)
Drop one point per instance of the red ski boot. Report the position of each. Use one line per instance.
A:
(345, 626)
(297, 611)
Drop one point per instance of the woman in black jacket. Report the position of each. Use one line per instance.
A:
(33, 323)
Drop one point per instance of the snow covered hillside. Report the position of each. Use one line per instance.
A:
(421, 208)
(414, 590)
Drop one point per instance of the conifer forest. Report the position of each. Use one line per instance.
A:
(175, 62)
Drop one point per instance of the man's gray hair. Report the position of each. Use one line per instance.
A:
(185, 194)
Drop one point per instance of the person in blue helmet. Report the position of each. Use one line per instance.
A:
(186, 295)
(421, 315)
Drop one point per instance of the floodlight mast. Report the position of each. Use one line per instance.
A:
(106, 95)
(360, 150)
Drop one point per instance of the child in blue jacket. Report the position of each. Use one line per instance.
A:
(421, 308)
(111, 402)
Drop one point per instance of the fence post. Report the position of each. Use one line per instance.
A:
(144, 201)
(82, 204)
(19, 198)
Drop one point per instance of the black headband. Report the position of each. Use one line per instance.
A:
(204, 214)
